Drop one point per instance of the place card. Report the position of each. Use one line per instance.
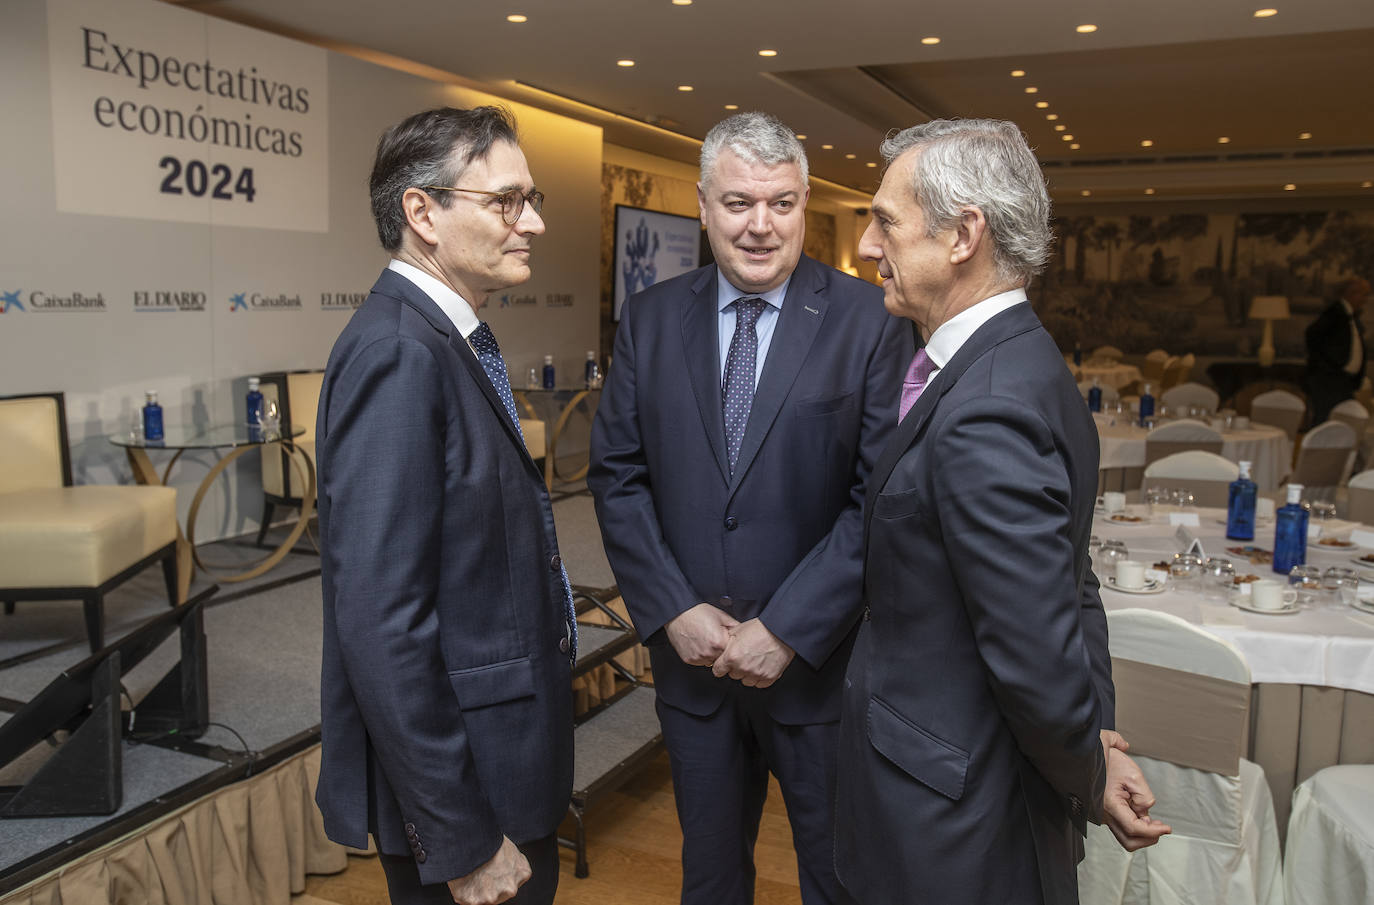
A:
(1220, 615)
(1314, 531)
(1184, 518)
(1187, 542)
(1363, 537)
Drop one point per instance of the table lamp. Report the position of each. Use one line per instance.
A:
(1268, 308)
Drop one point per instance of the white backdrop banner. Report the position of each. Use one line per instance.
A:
(164, 114)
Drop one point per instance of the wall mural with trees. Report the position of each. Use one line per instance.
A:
(1183, 282)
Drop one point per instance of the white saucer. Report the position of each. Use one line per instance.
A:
(1134, 522)
(1333, 548)
(1152, 586)
(1364, 606)
(1368, 564)
(1282, 611)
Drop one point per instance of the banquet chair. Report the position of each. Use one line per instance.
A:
(65, 542)
(1107, 353)
(1352, 413)
(1206, 475)
(1153, 368)
(1360, 498)
(1186, 364)
(1324, 459)
(1173, 374)
(1281, 409)
(1330, 853)
(1190, 395)
(1183, 702)
(1179, 436)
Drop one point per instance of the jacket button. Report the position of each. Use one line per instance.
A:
(410, 829)
(731, 523)
(563, 645)
(421, 857)
(556, 563)
(727, 602)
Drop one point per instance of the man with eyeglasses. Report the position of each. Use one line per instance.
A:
(448, 624)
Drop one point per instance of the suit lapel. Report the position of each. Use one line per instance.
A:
(1012, 322)
(701, 348)
(799, 323)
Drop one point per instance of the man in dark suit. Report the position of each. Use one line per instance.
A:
(1335, 350)
(744, 410)
(448, 632)
(971, 748)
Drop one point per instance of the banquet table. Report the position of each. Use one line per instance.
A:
(1112, 374)
(1312, 703)
(1267, 447)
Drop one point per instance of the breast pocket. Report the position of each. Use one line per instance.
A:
(897, 504)
(811, 408)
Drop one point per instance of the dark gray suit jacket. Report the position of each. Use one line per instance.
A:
(446, 708)
(781, 538)
(969, 752)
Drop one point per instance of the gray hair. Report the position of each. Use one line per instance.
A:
(982, 163)
(756, 138)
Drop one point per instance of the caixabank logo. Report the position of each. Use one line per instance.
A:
(260, 301)
(40, 302)
(155, 300)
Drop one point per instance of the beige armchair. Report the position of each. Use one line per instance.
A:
(60, 542)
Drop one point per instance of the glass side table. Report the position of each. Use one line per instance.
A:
(238, 439)
(555, 408)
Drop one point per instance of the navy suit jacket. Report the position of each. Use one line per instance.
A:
(446, 708)
(969, 752)
(781, 538)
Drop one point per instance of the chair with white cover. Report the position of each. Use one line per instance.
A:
(1173, 373)
(1360, 498)
(1206, 475)
(1153, 368)
(1179, 436)
(1183, 702)
(1352, 413)
(1190, 395)
(1324, 459)
(1330, 854)
(1186, 367)
(1280, 409)
(1107, 353)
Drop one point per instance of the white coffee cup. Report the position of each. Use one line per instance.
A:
(1113, 501)
(1264, 507)
(1268, 594)
(1240, 423)
(1130, 574)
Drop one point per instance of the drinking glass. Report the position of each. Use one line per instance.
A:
(1158, 498)
(1183, 500)
(1185, 570)
(1218, 577)
(1322, 512)
(1307, 581)
(1111, 552)
(1341, 585)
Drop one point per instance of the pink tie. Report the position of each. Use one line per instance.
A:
(915, 381)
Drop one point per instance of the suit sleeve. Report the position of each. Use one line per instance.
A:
(384, 465)
(1094, 619)
(1002, 493)
(651, 582)
(817, 605)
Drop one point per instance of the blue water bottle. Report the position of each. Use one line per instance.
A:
(590, 370)
(1290, 532)
(152, 417)
(1077, 355)
(548, 372)
(1147, 406)
(1095, 397)
(254, 402)
(1240, 506)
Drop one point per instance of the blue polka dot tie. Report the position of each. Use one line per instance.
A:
(489, 354)
(740, 364)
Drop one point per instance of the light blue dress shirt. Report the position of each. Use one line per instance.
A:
(726, 295)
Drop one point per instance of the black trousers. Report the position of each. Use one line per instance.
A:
(403, 879)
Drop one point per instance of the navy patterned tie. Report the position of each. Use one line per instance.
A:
(489, 354)
(740, 364)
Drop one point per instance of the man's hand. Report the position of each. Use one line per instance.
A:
(754, 655)
(496, 881)
(1127, 801)
(699, 635)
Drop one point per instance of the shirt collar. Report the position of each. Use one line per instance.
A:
(451, 303)
(950, 336)
(726, 293)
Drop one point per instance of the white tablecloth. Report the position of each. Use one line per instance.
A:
(1320, 646)
(1267, 447)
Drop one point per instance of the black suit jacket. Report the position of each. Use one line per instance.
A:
(446, 711)
(970, 752)
(781, 538)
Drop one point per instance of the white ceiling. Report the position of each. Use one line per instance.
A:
(1180, 73)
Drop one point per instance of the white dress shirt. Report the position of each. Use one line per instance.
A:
(950, 336)
(451, 303)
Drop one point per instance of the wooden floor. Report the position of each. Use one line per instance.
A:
(633, 846)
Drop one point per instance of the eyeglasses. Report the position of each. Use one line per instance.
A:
(513, 201)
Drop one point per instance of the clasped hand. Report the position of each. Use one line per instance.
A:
(708, 636)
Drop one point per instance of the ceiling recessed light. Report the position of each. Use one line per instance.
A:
(732, 106)
(870, 164)
(850, 156)
(1146, 143)
(1031, 89)
(1051, 116)
(768, 53)
(1224, 140)
(1060, 127)
(684, 88)
(1018, 73)
(801, 136)
(682, 2)
(1265, 13)
(1303, 136)
(930, 39)
(1066, 137)
(516, 17)
(1075, 146)
(1149, 191)
(1041, 105)
(626, 63)
(827, 147)
(1086, 29)
(1289, 187)
(1086, 193)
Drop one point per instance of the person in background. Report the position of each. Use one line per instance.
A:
(1336, 350)
(446, 707)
